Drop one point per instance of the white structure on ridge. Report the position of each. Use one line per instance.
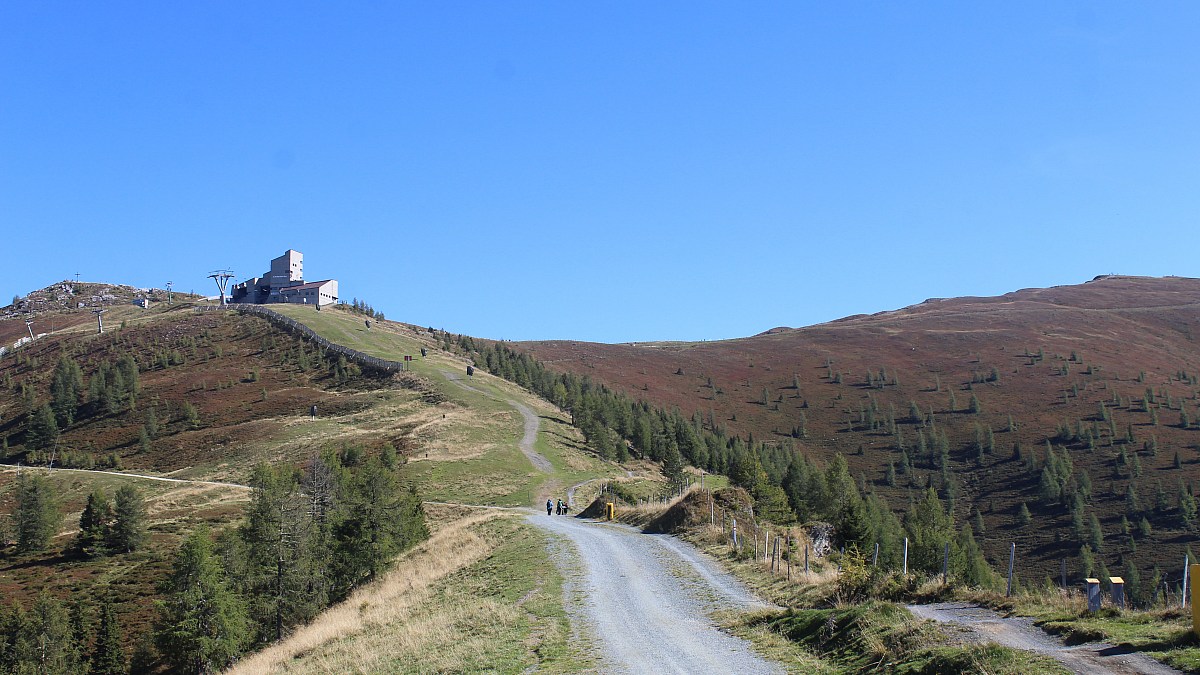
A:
(284, 282)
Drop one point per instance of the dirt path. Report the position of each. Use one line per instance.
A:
(10, 467)
(644, 600)
(984, 625)
(530, 418)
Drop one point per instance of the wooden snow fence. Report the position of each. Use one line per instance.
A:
(292, 326)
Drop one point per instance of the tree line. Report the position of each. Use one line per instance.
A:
(312, 534)
(786, 485)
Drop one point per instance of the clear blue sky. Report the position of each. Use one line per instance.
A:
(606, 171)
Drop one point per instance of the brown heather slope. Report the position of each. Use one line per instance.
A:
(251, 393)
(1118, 328)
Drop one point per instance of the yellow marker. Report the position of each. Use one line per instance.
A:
(1193, 570)
(610, 511)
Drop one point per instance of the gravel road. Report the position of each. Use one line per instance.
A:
(984, 625)
(643, 601)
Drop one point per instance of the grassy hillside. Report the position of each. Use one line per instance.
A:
(223, 392)
(1105, 360)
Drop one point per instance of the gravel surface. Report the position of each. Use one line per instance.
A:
(643, 601)
(984, 625)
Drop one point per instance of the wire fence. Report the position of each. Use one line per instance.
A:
(291, 325)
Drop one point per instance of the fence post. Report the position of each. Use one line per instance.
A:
(875, 558)
(945, 562)
(905, 568)
(1012, 556)
(1064, 573)
(806, 561)
(1184, 590)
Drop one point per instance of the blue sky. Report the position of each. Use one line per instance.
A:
(608, 171)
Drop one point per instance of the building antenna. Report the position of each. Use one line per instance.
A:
(169, 284)
(222, 278)
(99, 321)
(77, 277)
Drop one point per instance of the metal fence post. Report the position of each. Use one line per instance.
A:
(1012, 556)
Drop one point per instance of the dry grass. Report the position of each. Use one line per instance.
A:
(395, 612)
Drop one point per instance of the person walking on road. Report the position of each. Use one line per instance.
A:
(549, 507)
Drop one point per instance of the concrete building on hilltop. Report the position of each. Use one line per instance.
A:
(284, 282)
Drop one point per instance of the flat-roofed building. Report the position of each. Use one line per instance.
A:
(284, 282)
(310, 293)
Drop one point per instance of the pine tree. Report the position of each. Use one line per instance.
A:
(151, 423)
(1087, 561)
(94, 525)
(381, 520)
(43, 429)
(975, 406)
(44, 642)
(65, 389)
(1023, 515)
(277, 538)
(202, 624)
(108, 654)
(128, 532)
(1095, 534)
(37, 514)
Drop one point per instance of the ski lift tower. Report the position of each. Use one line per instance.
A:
(99, 321)
(169, 284)
(222, 278)
(29, 327)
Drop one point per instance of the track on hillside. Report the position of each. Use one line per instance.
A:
(164, 479)
(984, 625)
(643, 600)
(530, 418)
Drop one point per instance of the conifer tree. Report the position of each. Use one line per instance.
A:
(94, 525)
(44, 642)
(43, 429)
(1087, 561)
(1095, 534)
(108, 654)
(65, 389)
(128, 532)
(37, 515)
(1023, 515)
(975, 406)
(202, 625)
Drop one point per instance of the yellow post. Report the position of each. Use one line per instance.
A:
(610, 511)
(1193, 570)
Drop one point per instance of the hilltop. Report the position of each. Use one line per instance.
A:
(1106, 369)
(203, 397)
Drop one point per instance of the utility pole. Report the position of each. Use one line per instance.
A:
(222, 278)
(169, 284)
(99, 321)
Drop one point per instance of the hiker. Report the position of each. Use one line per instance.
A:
(549, 507)
(562, 508)
(312, 412)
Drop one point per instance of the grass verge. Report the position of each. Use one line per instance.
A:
(476, 597)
